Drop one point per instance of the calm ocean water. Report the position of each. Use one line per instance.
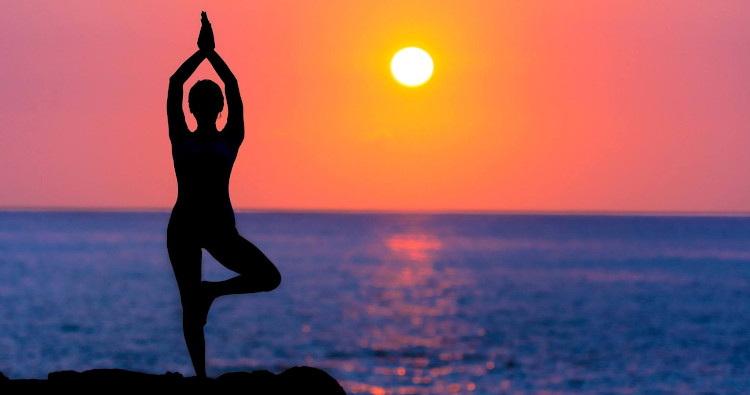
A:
(397, 303)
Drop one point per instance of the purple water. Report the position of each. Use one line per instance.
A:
(397, 303)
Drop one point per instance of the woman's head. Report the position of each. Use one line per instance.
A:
(205, 100)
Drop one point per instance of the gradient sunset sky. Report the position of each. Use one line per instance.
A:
(533, 105)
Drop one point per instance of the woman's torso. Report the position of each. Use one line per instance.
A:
(203, 165)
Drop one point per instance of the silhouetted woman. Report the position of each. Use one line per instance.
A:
(203, 216)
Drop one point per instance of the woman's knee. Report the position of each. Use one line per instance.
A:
(273, 280)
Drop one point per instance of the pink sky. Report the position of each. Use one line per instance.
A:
(534, 106)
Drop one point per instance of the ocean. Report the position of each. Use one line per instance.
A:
(397, 303)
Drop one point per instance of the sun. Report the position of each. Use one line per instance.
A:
(412, 66)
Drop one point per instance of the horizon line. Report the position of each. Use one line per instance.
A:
(650, 213)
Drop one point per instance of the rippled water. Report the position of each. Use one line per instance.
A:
(397, 304)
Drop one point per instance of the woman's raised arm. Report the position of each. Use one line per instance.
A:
(175, 115)
(235, 120)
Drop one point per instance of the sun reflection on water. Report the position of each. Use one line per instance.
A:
(410, 292)
(415, 247)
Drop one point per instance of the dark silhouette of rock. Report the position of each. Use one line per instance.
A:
(263, 382)
(296, 380)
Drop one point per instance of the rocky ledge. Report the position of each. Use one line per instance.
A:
(296, 380)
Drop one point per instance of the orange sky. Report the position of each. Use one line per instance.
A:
(548, 105)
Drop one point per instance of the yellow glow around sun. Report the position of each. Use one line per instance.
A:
(411, 66)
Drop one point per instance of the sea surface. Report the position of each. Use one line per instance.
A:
(397, 303)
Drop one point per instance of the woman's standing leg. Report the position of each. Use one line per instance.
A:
(185, 255)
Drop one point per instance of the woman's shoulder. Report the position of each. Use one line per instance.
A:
(232, 135)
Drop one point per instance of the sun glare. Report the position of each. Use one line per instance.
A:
(412, 66)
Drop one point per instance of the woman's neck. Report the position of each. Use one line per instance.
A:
(206, 129)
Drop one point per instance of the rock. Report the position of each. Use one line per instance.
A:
(305, 379)
(299, 379)
(263, 382)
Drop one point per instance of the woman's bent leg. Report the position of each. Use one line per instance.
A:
(256, 272)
